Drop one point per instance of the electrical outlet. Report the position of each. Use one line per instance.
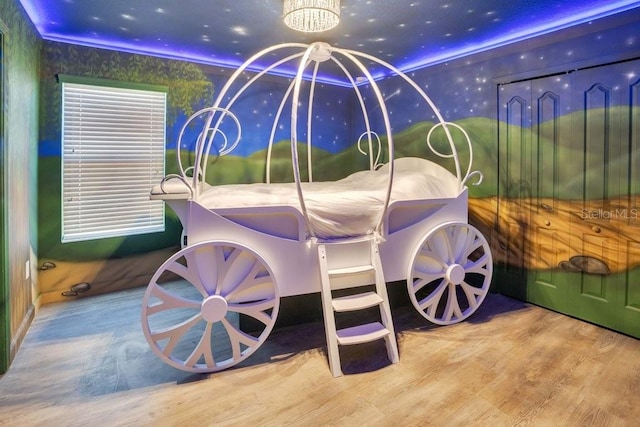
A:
(27, 270)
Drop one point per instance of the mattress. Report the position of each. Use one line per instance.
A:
(348, 207)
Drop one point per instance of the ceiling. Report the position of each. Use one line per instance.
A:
(407, 33)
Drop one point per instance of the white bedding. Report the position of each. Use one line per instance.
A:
(348, 207)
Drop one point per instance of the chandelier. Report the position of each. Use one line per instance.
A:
(311, 16)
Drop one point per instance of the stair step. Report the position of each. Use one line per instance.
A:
(350, 270)
(354, 265)
(356, 301)
(361, 333)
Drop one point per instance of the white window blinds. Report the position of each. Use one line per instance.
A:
(113, 142)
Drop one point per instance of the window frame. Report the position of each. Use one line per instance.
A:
(85, 228)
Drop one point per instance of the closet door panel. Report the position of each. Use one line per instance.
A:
(601, 131)
(548, 234)
(569, 195)
(514, 187)
(629, 303)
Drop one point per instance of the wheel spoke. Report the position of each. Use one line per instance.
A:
(255, 310)
(431, 302)
(238, 337)
(232, 280)
(245, 280)
(210, 273)
(202, 349)
(429, 262)
(258, 288)
(189, 274)
(441, 247)
(203, 260)
(448, 248)
(174, 333)
(238, 266)
(478, 266)
(471, 292)
(452, 308)
(462, 239)
(169, 301)
(420, 282)
(474, 244)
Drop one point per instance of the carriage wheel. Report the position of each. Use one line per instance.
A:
(209, 306)
(450, 273)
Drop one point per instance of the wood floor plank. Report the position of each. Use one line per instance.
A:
(86, 362)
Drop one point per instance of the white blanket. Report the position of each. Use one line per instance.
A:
(349, 207)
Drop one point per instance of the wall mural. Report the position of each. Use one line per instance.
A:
(568, 203)
(115, 262)
(540, 174)
(560, 206)
(191, 87)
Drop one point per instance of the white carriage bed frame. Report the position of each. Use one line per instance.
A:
(241, 260)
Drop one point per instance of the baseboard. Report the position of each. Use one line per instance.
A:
(16, 341)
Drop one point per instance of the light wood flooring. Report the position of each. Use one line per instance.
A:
(86, 363)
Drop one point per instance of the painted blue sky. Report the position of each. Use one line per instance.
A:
(408, 33)
(460, 90)
(466, 87)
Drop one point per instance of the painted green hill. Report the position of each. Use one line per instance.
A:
(509, 170)
(281, 162)
(569, 157)
(327, 166)
(234, 169)
(412, 142)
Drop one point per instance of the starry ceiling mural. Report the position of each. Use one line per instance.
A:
(409, 34)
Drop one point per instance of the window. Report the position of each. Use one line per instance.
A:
(113, 152)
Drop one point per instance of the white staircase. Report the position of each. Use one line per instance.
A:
(351, 268)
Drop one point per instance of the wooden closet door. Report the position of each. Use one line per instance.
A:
(627, 304)
(549, 241)
(534, 128)
(599, 132)
(569, 201)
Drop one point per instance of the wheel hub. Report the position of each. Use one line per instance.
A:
(213, 308)
(455, 274)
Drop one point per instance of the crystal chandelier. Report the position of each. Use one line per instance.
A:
(311, 16)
